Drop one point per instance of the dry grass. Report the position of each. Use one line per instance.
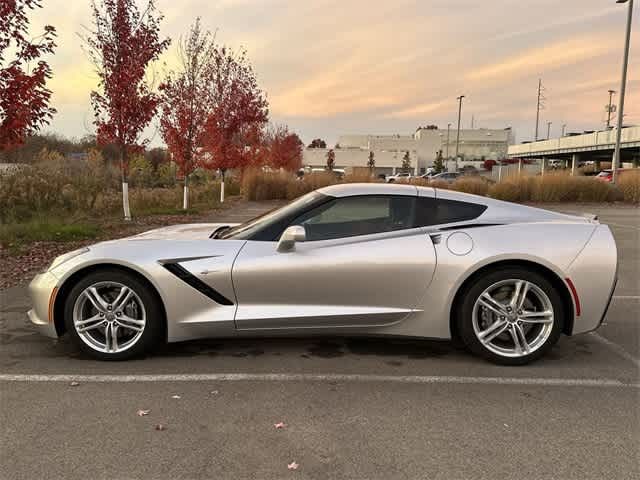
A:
(629, 184)
(475, 185)
(553, 187)
(258, 184)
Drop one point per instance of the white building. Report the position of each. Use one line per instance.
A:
(423, 146)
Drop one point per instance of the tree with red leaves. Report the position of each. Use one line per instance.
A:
(284, 149)
(24, 97)
(122, 45)
(185, 104)
(239, 111)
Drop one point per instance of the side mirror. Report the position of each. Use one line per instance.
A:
(290, 236)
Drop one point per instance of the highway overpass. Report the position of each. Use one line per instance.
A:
(596, 146)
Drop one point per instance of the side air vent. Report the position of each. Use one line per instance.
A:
(193, 281)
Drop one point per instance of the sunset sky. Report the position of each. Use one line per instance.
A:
(332, 67)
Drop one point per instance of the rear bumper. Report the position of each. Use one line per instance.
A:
(594, 273)
(42, 291)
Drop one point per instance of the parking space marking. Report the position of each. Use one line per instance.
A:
(328, 377)
(626, 297)
(615, 348)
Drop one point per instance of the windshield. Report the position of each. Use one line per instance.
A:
(270, 225)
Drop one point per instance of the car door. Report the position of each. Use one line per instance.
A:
(363, 265)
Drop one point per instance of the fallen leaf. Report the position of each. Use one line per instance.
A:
(293, 466)
(142, 413)
(74, 384)
(279, 425)
(177, 397)
(160, 427)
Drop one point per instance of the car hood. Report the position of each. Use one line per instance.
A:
(188, 231)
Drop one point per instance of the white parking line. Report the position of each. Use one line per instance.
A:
(328, 377)
(626, 297)
(616, 348)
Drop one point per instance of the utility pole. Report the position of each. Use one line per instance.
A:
(473, 120)
(458, 134)
(549, 129)
(609, 109)
(564, 128)
(448, 130)
(623, 87)
(539, 106)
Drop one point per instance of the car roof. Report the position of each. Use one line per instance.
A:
(351, 189)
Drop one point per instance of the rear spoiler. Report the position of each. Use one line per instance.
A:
(591, 217)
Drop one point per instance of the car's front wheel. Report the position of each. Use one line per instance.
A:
(113, 315)
(511, 316)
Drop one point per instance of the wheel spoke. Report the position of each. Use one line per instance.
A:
(122, 299)
(488, 301)
(523, 343)
(519, 294)
(111, 337)
(130, 323)
(516, 341)
(96, 299)
(493, 331)
(89, 323)
(536, 317)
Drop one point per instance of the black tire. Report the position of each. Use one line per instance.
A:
(154, 327)
(479, 285)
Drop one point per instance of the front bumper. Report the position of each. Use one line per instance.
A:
(42, 290)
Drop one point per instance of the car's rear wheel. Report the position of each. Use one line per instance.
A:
(511, 316)
(113, 315)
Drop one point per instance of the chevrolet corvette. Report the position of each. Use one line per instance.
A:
(504, 280)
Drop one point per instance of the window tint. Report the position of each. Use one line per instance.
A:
(351, 216)
(436, 211)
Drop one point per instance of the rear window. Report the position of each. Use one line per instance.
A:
(437, 211)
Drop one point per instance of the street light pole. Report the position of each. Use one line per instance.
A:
(623, 87)
(549, 129)
(458, 133)
(611, 92)
(448, 130)
(564, 128)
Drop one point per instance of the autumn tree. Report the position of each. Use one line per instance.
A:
(185, 103)
(24, 96)
(122, 44)
(239, 111)
(331, 160)
(283, 149)
(318, 143)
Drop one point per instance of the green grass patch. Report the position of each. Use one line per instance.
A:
(13, 235)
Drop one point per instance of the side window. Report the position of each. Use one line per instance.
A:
(351, 216)
(434, 211)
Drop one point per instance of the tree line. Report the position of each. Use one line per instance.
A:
(212, 112)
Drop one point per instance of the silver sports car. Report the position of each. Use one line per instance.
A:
(351, 260)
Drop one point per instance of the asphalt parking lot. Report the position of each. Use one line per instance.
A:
(353, 408)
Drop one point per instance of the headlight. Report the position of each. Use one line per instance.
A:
(66, 257)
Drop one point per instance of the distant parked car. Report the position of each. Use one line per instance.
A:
(448, 177)
(555, 163)
(398, 176)
(607, 175)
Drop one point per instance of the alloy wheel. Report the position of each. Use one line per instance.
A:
(513, 318)
(109, 317)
